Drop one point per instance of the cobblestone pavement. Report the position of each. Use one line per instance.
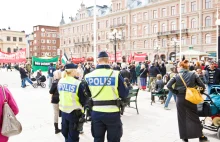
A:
(153, 124)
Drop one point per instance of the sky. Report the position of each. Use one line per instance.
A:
(22, 15)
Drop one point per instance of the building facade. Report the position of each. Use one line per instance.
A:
(147, 26)
(45, 41)
(12, 41)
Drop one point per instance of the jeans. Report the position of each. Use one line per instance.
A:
(112, 126)
(50, 82)
(24, 81)
(170, 94)
(134, 80)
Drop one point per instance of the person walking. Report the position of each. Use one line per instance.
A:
(133, 74)
(143, 77)
(189, 124)
(170, 94)
(28, 68)
(13, 105)
(24, 77)
(55, 99)
(50, 71)
(106, 86)
(71, 103)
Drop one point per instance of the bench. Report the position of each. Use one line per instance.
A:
(132, 97)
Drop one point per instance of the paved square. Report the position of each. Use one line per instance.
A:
(153, 124)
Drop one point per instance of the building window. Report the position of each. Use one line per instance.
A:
(193, 23)
(164, 42)
(48, 41)
(48, 47)
(20, 39)
(134, 31)
(183, 41)
(87, 27)
(48, 35)
(207, 38)
(8, 38)
(207, 4)
(114, 22)
(155, 29)
(99, 37)
(14, 39)
(173, 11)
(82, 28)
(119, 20)
(163, 28)
(78, 29)
(208, 21)
(42, 34)
(106, 24)
(145, 16)
(134, 44)
(106, 35)
(145, 44)
(183, 8)
(54, 35)
(154, 43)
(193, 6)
(164, 12)
(154, 14)
(8, 50)
(182, 25)
(123, 20)
(193, 40)
(173, 26)
(42, 41)
(134, 18)
(146, 29)
(54, 41)
(98, 25)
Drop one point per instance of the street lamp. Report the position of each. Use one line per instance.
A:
(175, 43)
(115, 36)
(217, 37)
(157, 48)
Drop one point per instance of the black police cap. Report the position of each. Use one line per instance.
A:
(71, 66)
(103, 54)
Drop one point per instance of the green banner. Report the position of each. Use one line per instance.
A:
(43, 63)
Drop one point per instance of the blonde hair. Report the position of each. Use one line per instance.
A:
(142, 66)
(69, 72)
(57, 75)
(159, 76)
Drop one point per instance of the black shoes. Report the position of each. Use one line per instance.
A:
(56, 128)
(203, 139)
(185, 140)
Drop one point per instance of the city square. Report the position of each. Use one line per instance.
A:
(153, 124)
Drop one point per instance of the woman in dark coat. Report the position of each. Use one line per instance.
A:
(143, 76)
(188, 119)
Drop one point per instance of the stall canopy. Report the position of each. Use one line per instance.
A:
(78, 60)
(17, 57)
(140, 57)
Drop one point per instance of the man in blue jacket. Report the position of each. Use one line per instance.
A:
(51, 69)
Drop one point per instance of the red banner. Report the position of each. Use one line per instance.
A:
(140, 57)
(112, 57)
(78, 60)
(18, 57)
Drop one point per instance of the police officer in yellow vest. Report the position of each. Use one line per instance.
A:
(72, 100)
(106, 86)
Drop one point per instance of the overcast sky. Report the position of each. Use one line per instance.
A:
(24, 14)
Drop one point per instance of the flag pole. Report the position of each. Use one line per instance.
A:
(94, 32)
(180, 26)
(217, 34)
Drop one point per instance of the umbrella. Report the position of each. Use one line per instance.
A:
(193, 53)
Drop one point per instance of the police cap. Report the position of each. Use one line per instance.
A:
(71, 66)
(103, 54)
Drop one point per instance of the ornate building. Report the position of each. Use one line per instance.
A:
(147, 26)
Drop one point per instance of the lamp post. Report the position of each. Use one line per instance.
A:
(115, 36)
(176, 44)
(217, 37)
(157, 48)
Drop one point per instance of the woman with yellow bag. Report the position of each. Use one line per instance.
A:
(188, 119)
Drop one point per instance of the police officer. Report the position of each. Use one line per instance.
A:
(106, 87)
(72, 99)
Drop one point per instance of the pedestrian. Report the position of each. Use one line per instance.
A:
(55, 99)
(189, 124)
(13, 105)
(106, 86)
(198, 66)
(28, 68)
(133, 74)
(170, 94)
(153, 72)
(50, 71)
(24, 77)
(143, 77)
(87, 70)
(71, 103)
(137, 70)
(80, 71)
(212, 76)
(9, 67)
(163, 69)
(124, 72)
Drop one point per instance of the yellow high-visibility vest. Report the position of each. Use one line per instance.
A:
(68, 94)
(96, 80)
